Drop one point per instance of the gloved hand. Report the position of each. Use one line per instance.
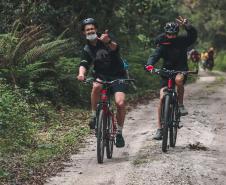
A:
(149, 68)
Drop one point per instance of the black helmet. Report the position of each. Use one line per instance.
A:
(88, 21)
(171, 28)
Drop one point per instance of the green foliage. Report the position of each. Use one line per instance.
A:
(16, 121)
(220, 61)
(209, 18)
(28, 57)
(144, 80)
(73, 91)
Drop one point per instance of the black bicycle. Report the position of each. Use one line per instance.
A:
(170, 114)
(105, 122)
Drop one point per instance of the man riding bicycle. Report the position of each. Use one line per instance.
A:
(173, 49)
(103, 53)
(195, 56)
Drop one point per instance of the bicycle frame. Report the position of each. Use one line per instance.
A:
(105, 104)
(171, 91)
(170, 115)
(105, 120)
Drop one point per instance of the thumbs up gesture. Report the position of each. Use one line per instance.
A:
(105, 37)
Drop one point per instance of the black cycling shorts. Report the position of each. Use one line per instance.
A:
(164, 81)
(117, 87)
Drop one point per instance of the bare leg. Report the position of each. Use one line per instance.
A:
(180, 91)
(180, 87)
(159, 108)
(95, 94)
(121, 107)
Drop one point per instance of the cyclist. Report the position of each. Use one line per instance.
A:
(194, 55)
(204, 58)
(102, 52)
(173, 49)
(211, 57)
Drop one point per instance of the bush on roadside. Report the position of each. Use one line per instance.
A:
(220, 61)
(16, 122)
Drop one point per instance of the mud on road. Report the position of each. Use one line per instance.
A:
(198, 158)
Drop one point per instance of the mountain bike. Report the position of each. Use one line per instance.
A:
(208, 64)
(170, 114)
(105, 119)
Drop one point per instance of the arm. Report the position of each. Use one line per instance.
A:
(154, 58)
(106, 39)
(191, 35)
(84, 65)
(81, 74)
(113, 45)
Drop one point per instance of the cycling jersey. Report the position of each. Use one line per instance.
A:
(173, 51)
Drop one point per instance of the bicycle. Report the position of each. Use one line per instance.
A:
(105, 119)
(170, 114)
(208, 64)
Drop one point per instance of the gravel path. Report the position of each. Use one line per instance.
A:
(198, 158)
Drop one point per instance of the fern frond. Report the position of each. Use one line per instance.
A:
(27, 43)
(37, 52)
(62, 34)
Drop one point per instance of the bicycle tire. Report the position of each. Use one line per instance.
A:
(177, 121)
(165, 128)
(174, 124)
(109, 139)
(101, 122)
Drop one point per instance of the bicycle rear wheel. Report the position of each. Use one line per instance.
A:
(101, 133)
(110, 137)
(166, 123)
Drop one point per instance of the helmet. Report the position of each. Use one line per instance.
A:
(171, 28)
(88, 21)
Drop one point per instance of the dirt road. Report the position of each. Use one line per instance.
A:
(198, 158)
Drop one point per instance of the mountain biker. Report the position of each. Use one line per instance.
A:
(204, 58)
(102, 52)
(194, 55)
(173, 49)
(211, 57)
(208, 59)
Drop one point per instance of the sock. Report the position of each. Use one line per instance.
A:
(93, 114)
(119, 129)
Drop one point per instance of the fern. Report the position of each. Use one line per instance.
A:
(30, 53)
(39, 51)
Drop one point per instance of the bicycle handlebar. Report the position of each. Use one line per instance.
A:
(90, 80)
(172, 72)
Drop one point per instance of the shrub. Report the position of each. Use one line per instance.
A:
(17, 128)
(220, 61)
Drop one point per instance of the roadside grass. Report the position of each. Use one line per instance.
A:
(54, 144)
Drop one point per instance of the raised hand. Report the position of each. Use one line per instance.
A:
(182, 21)
(105, 37)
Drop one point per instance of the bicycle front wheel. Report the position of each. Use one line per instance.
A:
(174, 125)
(110, 137)
(101, 132)
(166, 123)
